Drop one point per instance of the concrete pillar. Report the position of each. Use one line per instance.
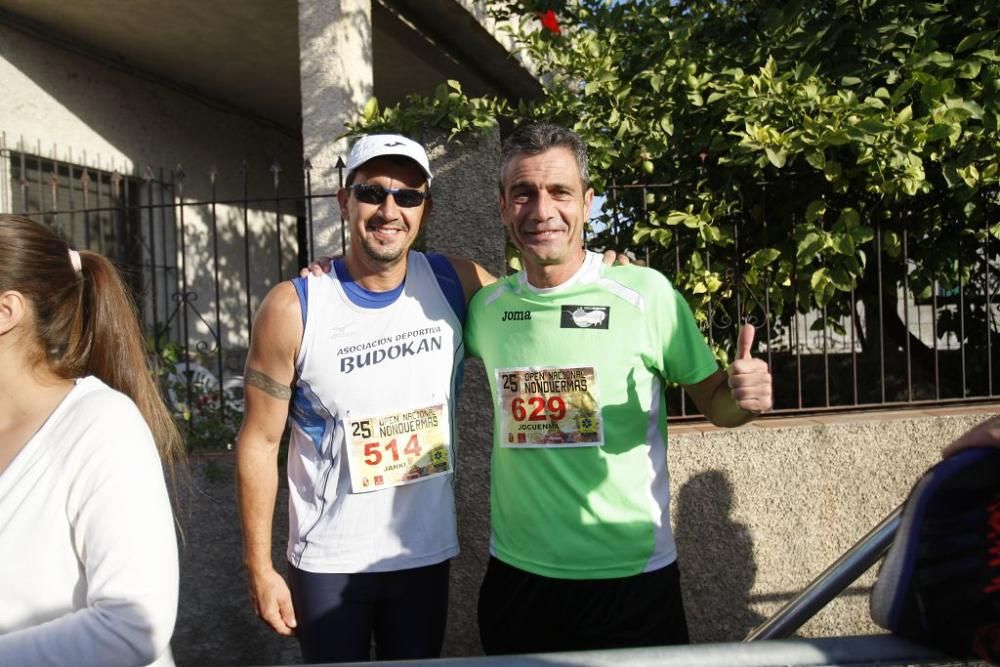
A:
(466, 217)
(466, 222)
(335, 68)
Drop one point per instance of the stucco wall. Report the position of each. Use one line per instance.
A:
(758, 513)
(70, 107)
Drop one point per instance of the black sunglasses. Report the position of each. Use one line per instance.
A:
(376, 194)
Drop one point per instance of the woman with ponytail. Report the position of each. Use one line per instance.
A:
(88, 553)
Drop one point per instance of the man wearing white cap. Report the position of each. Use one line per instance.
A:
(366, 360)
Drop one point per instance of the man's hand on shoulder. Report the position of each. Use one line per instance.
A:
(613, 258)
(318, 267)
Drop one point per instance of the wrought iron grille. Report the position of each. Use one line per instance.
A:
(881, 344)
(200, 263)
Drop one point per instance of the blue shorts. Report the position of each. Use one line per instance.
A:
(341, 616)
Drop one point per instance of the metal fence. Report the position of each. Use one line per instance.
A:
(881, 344)
(201, 250)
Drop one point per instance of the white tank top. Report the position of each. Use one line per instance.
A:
(372, 454)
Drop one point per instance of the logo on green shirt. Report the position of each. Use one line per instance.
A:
(585, 317)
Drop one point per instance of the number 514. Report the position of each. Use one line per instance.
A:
(373, 450)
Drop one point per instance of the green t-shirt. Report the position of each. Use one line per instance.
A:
(580, 488)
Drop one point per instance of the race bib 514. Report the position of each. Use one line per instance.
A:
(549, 407)
(398, 448)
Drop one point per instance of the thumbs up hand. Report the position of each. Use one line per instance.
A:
(749, 378)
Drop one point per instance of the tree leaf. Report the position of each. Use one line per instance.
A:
(872, 126)
(940, 131)
(941, 58)
(836, 138)
(970, 106)
(841, 279)
(971, 41)
(815, 210)
(809, 247)
(683, 218)
(776, 157)
(969, 69)
(816, 159)
(803, 71)
(849, 218)
(819, 279)
(968, 42)
(844, 244)
(766, 256)
(370, 110)
(667, 125)
(832, 170)
(862, 234)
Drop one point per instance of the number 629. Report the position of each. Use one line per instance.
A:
(537, 408)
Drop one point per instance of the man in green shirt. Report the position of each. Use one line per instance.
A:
(578, 354)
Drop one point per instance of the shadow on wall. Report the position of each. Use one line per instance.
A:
(717, 562)
(266, 269)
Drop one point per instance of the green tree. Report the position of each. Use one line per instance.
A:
(798, 142)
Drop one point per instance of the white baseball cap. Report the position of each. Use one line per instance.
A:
(372, 146)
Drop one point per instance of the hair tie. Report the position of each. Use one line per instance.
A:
(74, 259)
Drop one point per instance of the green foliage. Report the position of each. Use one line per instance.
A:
(449, 109)
(201, 417)
(815, 133)
(205, 423)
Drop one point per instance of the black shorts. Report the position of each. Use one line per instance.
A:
(520, 612)
(339, 615)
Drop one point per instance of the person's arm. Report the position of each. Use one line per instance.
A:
(986, 434)
(472, 276)
(268, 379)
(734, 398)
(122, 529)
(319, 266)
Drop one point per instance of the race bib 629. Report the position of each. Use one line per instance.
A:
(549, 407)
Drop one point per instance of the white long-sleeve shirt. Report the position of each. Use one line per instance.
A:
(88, 553)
